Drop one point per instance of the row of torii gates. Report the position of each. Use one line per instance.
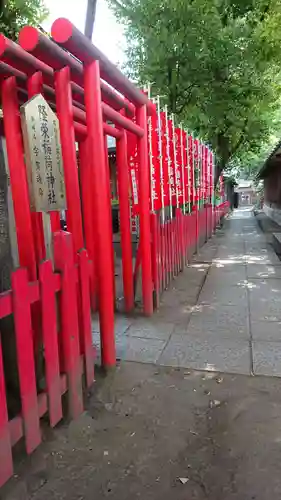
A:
(165, 178)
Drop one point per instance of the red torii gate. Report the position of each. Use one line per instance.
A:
(82, 86)
(83, 101)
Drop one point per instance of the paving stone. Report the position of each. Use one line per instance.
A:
(205, 255)
(121, 324)
(200, 327)
(259, 271)
(142, 350)
(232, 356)
(237, 279)
(220, 316)
(225, 295)
(229, 260)
(223, 270)
(174, 297)
(267, 358)
(263, 258)
(267, 331)
(147, 328)
(264, 290)
(257, 247)
(265, 310)
(177, 315)
(193, 276)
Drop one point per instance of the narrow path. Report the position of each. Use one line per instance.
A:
(222, 314)
(161, 433)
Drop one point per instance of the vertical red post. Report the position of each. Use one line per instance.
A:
(50, 339)
(85, 171)
(160, 259)
(67, 136)
(163, 254)
(64, 262)
(141, 118)
(110, 216)
(25, 357)
(154, 253)
(100, 177)
(6, 460)
(165, 229)
(124, 211)
(85, 314)
(170, 239)
(173, 246)
(18, 177)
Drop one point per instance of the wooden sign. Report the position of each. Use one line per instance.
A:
(45, 174)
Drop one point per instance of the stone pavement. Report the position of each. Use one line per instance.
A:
(223, 313)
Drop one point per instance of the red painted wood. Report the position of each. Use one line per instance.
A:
(6, 305)
(65, 115)
(165, 246)
(110, 217)
(144, 189)
(16, 424)
(50, 340)
(103, 226)
(85, 175)
(6, 460)
(167, 253)
(159, 257)
(64, 262)
(86, 340)
(154, 257)
(25, 356)
(174, 253)
(19, 187)
(170, 239)
(125, 226)
(178, 246)
(33, 292)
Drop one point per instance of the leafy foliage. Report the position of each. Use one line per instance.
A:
(15, 14)
(216, 62)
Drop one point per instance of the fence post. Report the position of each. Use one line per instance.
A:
(145, 238)
(85, 315)
(51, 340)
(124, 210)
(155, 257)
(18, 176)
(64, 262)
(65, 115)
(6, 460)
(100, 175)
(85, 171)
(25, 356)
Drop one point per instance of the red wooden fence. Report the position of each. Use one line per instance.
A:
(52, 307)
(66, 340)
(175, 241)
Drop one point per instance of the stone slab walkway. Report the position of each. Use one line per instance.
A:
(223, 313)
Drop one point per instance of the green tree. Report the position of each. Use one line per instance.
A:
(14, 14)
(216, 61)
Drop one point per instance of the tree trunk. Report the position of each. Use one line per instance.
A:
(90, 18)
(218, 171)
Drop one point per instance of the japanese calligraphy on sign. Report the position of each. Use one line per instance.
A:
(45, 174)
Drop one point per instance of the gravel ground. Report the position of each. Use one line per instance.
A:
(160, 433)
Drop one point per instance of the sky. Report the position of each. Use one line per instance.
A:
(108, 34)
